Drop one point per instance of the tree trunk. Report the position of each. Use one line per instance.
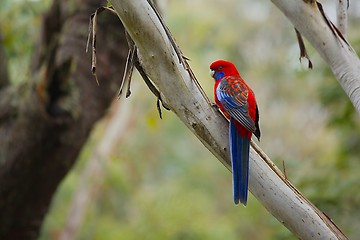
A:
(45, 121)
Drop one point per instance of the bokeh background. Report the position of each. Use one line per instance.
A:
(155, 180)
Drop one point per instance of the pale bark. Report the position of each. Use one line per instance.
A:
(338, 54)
(186, 99)
(342, 15)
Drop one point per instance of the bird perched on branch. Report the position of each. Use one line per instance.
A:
(237, 101)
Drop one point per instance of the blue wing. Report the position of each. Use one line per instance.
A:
(234, 100)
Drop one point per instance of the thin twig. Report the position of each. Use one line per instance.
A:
(284, 170)
(92, 35)
(129, 68)
(93, 54)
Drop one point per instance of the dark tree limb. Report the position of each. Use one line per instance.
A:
(45, 121)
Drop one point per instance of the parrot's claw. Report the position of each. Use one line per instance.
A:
(214, 105)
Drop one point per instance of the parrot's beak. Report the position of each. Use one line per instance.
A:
(212, 72)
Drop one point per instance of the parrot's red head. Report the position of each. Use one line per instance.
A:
(221, 68)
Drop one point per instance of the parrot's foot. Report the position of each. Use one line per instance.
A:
(214, 105)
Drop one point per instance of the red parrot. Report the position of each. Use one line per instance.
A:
(237, 101)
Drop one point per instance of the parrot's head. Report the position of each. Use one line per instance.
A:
(222, 68)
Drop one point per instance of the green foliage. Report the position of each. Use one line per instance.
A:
(20, 27)
(339, 195)
(161, 183)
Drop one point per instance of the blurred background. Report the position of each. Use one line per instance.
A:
(140, 177)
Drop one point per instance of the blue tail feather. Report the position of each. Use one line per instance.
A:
(239, 150)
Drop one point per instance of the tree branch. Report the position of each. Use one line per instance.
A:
(310, 21)
(160, 59)
(342, 15)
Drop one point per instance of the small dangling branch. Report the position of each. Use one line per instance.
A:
(92, 36)
(303, 52)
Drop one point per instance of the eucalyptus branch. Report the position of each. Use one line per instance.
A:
(309, 19)
(163, 62)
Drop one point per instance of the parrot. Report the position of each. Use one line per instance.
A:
(237, 102)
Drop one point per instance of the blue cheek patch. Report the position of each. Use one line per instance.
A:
(219, 75)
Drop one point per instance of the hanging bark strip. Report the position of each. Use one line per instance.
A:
(92, 35)
(131, 61)
(129, 68)
(332, 26)
(303, 52)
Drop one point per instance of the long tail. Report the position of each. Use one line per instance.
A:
(239, 150)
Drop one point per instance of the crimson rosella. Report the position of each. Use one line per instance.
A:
(237, 101)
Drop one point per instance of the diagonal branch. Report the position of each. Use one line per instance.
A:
(309, 19)
(159, 57)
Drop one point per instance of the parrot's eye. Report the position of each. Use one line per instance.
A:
(219, 68)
